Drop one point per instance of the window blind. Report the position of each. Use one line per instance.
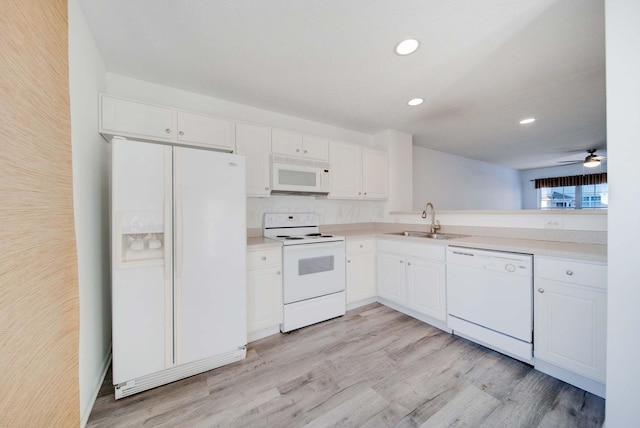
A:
(572, 180)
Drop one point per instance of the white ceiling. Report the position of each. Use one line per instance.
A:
(481, 67)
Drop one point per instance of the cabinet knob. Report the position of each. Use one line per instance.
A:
(569, 272)
(181, 132)
(365, 193)
(359, 193)
(297, 150)
(168, 131)
(305, 151)
(361, 246)
(540, 290)
(408, 263)
(264, 257)
(278, 273)
(401, 261)
(348, 261)
(266, 188)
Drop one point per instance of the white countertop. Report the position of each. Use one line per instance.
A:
(586, 252)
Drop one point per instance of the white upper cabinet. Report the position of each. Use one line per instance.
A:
(315, 148)
(357, 172)
(375, 175)
(134, 119)
(297, 145)
(206, 130)
(254, 142)
(150, 122)
(346, 171)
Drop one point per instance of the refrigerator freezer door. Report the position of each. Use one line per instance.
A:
(141, 268)
(210, 253)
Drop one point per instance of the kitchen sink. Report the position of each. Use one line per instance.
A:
(420, 234)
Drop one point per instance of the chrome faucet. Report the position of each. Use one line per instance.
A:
(435, 224)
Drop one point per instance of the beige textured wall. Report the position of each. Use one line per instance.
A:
(38, 268)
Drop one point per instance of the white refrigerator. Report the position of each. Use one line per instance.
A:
(178, 262)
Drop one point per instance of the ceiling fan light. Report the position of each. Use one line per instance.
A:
(591, 163)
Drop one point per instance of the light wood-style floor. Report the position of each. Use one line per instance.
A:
(374, 367)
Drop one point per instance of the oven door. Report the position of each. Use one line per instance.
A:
(313, 270)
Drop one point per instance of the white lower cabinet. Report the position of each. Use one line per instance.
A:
(264, 292)
(570, 321)
(361, 272)
(426, 290)
(412, 275)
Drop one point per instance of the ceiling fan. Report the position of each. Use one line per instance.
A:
(591, 161)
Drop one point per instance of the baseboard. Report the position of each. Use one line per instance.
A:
(261, 334)
(86, 412)
(361, 302)
(593, 386)
(442, 325)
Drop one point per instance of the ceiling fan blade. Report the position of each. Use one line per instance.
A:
(571, 162)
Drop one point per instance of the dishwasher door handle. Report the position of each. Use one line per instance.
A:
(463, 254)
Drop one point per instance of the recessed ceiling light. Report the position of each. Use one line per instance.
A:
(526, 121)
(407, 47)
(415, 102)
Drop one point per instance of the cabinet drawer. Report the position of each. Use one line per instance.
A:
(572, 271)
(360, 246)
(412, 249)
(259, 258)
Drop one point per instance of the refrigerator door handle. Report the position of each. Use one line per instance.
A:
(169, 356)
(178, 254)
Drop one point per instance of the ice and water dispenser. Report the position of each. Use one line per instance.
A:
(142, 238)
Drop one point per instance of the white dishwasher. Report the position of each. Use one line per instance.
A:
(490, 299)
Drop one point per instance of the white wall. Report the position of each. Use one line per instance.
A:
(530, 193)
(87, 77)
(455, 183)
(623, 148)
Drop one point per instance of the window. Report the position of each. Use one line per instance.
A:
(576, 192)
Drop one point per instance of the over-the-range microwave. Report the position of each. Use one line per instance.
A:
(299, 176)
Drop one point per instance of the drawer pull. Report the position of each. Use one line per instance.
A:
(264, 257)
(569, 272)
(540, 290)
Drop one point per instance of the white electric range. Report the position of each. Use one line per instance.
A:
(313, 267)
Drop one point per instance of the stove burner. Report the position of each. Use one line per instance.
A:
(293, 237)
(313, 234)
(326, 236)
(282, 236)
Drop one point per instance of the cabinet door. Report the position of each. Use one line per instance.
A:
(391, 277)
(255, 143)
(570, 327)
(361, 276)
(346, 171)
(286, 143)
(264, 298)
(315, 148)
(374, 174)
(134, 119)
(206, 130)
(426, 292)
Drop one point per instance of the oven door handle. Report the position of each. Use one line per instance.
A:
(314, 246)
